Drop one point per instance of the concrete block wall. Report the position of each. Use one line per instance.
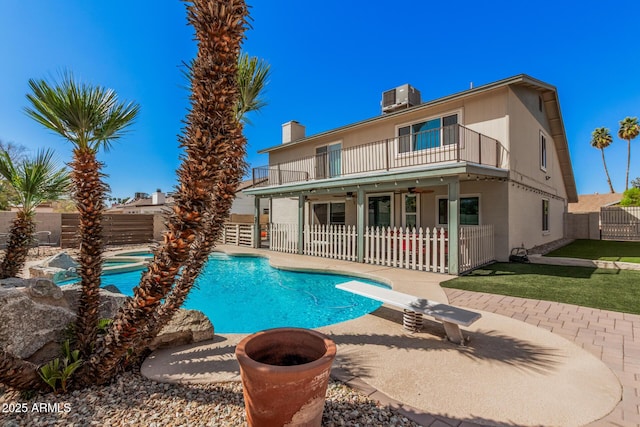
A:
(582, 225)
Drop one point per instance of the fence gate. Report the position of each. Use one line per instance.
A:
(620, 223)
(116, 229)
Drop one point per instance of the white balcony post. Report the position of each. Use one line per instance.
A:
(360, 225)
(454, 224)
(301, 200)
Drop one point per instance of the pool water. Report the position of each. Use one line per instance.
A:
(246, 294)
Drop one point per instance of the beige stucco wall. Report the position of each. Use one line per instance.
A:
(284, 210)
(527, 123)
(525, 218)
(483, 113)
(44, 222)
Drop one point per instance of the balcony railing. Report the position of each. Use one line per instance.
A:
(448, 144)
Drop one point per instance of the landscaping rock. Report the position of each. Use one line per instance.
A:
(11, 282)
(186, 327)
(112, 288)
(58, 268)
(28, 324)
(61, 260)
(43, 288)
(110, 302)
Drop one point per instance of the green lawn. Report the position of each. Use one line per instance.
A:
(604, 250)
(617, 290)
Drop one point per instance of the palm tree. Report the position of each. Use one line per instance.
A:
(212, 166)
(91, 118)
(253, 75)
(629, 129)
(601, 139)
(33, 181)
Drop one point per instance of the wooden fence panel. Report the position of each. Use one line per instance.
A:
(116, 229)
(620, 223)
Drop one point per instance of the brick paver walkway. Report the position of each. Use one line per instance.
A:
(613, 337)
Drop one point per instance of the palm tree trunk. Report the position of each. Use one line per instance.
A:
(19, 374)
(20, 238)
(213, 142)
(606, 171)
(89, 191)
(626, 181)
(220, 208)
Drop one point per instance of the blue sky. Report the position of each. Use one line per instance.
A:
(330, 60)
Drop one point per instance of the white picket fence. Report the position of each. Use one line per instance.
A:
(284, 238)
(331, 241)
(424, 250)
(415, 249)
(237, 234)
(476, 246)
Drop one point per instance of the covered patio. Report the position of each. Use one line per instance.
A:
(376, 219)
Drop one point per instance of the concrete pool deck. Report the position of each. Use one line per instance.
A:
(511, 372)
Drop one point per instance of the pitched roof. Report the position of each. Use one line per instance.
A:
(593, 202)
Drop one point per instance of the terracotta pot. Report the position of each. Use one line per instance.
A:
(285, 372)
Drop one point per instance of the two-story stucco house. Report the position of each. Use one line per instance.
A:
(443, 185)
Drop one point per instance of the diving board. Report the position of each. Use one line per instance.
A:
(450, 316)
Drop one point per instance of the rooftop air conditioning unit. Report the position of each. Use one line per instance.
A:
(402, 97)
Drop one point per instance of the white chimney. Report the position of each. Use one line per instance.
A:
(292, 131)
(158, 198)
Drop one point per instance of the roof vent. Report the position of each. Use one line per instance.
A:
(400, 98)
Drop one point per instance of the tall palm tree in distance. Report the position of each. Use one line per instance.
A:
(629, 129)
(601, 139)
(33, 180)
(90, 118)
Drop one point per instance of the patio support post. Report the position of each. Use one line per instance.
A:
(301, 200)
(360, 225)
(256, 222)
(454, 225)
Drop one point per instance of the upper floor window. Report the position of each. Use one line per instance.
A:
(432, 133)
(543, 152)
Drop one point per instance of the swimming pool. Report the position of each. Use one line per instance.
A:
(246, 295)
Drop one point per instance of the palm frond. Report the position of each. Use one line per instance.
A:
(35, 179)
(253, 75)
(629, 128)
(91, 117)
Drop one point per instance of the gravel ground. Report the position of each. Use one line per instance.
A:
(136, 401)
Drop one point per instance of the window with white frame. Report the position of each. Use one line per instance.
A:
(469, 211)
(545, 215)
(328, 213)
(411, 210)
(543, 152)
(431, 133)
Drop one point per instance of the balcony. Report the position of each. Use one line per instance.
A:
(448, 144)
